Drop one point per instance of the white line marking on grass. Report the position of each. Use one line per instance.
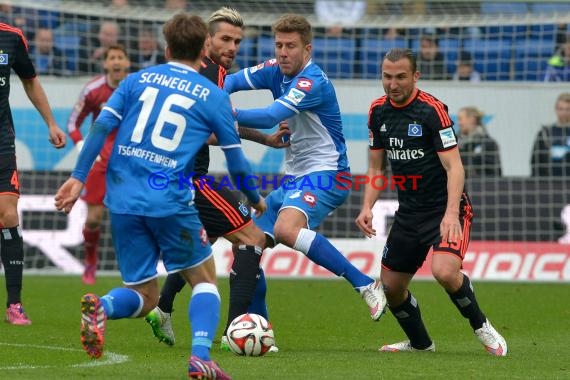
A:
(109, 358)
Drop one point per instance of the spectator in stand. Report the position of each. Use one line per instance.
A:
(47, 59)
(337, 14)
(29, 19)
(119, 5)
(92, 49)
(175, 5)
(479, 151)
(551, 150)
(393, 33)
(6, 14)
(431, 63)
(465, 70)
(149, 52)
(558, 69)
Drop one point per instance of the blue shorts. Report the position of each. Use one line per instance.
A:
(140, 240)
(316, 195)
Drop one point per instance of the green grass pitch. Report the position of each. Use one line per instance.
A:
(322, 329)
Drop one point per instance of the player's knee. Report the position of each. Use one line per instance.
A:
(285, 235)
(446, 276)
(252, 235)
(395, 292)
(150, 301)
(93, 221)
(8, 217)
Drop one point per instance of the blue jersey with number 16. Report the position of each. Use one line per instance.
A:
(164, 115)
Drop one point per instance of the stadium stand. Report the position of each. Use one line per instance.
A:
(496, 33)
(371, 52)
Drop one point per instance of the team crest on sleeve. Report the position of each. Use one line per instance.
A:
(271, 62)
(255, 68)
(304, 84)
(447, 137)
(414, 130)
(295, 96)
(243, 209)
(370, 138)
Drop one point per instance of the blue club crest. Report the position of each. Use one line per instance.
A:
(414, 130)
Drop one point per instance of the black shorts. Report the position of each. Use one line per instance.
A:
(221, 212)
(9, 181)
(413, 234)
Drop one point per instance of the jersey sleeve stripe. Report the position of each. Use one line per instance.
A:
(288, 105)
(439, 108)
(115, 113)
(8, 28)
(233, 146)
(248, 80)
(445, 150)
(376, 103)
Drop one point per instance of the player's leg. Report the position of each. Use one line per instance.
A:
(204, 315)
(223, 214)
(11, 243)
(198, 269)
(303, 211)
(446, 268)
(138, 272)
(248, 244)
(402, 256)
(93, 196)
(91, 237)
(160, 318)
(258, 304)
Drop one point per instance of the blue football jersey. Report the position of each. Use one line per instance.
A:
(164, 115)
(317, 140)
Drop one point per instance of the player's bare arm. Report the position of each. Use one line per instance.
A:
(376, 167)
(37, 96)
(68, 194)
(450, 228)
(274, 140)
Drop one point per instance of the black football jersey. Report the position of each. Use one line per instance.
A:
(216, 74)
(412, 135)
(13, 55)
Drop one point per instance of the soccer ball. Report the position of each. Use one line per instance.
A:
(250, 335)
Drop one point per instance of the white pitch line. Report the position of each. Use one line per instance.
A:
(109, 358)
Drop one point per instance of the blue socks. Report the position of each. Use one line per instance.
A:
(319, 250)
(258, 304)
(122, 303)
(204, 315)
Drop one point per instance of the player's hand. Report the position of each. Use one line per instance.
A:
(56, 137)
(364, 223)
(260, 206)
(450, 228)
(280, 138)
(68, 194)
